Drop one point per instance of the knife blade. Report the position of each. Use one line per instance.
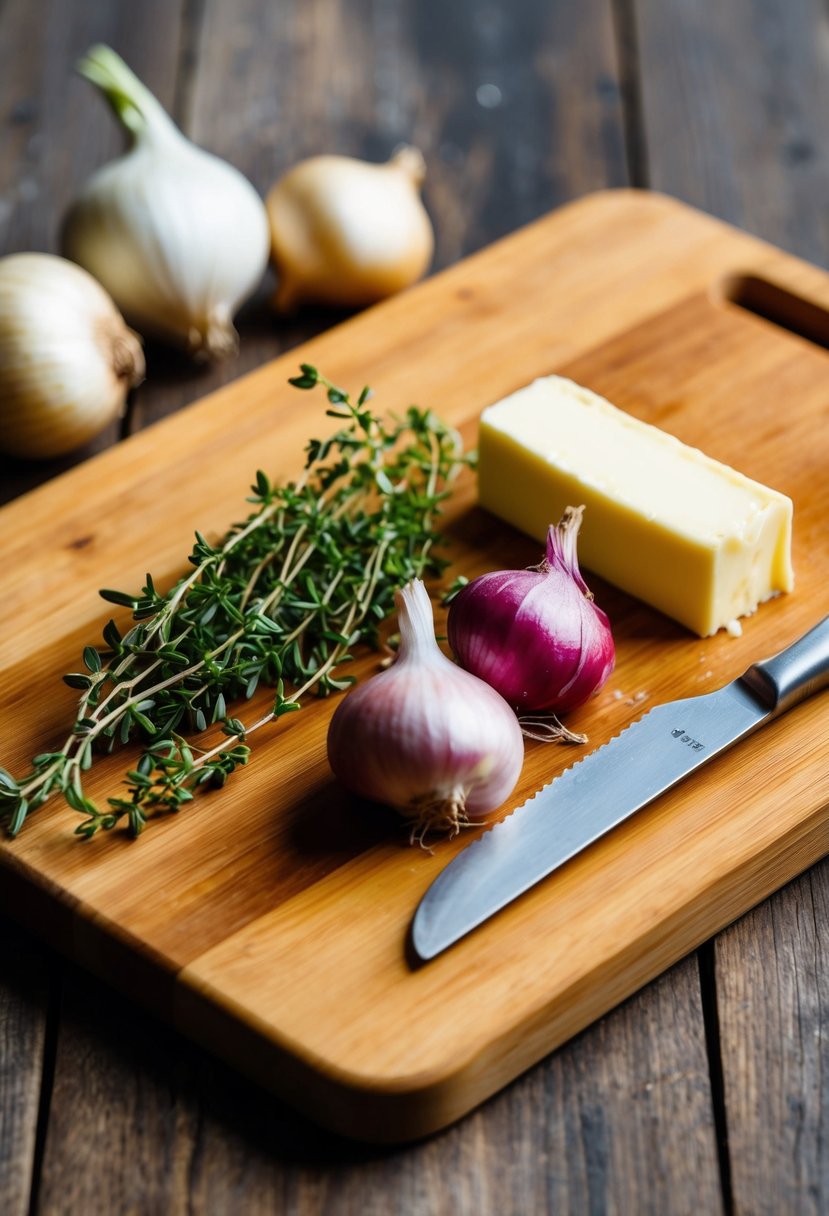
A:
(605, 788)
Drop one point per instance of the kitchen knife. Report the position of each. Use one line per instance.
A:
(609, 785)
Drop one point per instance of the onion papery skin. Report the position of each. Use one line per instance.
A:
(178, 237)
(67, 359)
(428, 739)
(534, 635)
(346, 233)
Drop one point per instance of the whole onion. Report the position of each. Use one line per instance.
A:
(424, 736)
(346, 232)
(178, 237)
(535, 635)
(67, 359)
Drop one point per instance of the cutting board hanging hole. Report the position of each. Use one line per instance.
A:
(776, 304)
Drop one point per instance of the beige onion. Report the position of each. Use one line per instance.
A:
(348, 233)
(177, 236)
(67, 359)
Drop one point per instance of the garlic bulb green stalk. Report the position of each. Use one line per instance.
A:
(67, 360)
(178, 237)
(348, 233)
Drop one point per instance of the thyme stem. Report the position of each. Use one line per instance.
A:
(280, 601)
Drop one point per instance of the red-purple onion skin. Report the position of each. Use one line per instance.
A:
(420, 728)
(534, 635)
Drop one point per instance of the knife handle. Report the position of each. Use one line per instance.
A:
(794, 674)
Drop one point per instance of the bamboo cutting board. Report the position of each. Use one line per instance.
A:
(269, 920)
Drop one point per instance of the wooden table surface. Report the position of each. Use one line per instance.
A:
(709, 1091)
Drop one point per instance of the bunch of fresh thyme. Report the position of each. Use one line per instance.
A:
(280, 600)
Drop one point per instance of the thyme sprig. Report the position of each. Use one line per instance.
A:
(281, 600)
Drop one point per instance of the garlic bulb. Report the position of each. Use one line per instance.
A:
(178, 237)
(67, 360)
(348, 233)
(426, 737)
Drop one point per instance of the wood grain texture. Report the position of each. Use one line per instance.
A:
(733, 95)
(122, 1118)
(24, 999)
(193, 1136)
(731, 98)
(696, 868)
(773, 997)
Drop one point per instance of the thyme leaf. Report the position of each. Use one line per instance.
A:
(280, 601)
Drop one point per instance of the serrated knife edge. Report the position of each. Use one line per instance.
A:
(478, 882)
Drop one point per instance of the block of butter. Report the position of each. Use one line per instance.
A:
(663, 521)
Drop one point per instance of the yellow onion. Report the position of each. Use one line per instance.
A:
(348, 233)
(67, 360)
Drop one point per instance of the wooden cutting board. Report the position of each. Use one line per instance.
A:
(269, 920)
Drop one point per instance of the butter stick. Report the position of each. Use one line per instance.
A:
(663, 521)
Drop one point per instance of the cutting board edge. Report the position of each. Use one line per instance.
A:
(80, 932)
(402, 1109)
(408, 1108)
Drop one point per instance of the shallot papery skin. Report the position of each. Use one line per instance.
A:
(535, 635)
(426, 737)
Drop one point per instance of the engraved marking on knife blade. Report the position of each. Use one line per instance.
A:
(687, 739)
